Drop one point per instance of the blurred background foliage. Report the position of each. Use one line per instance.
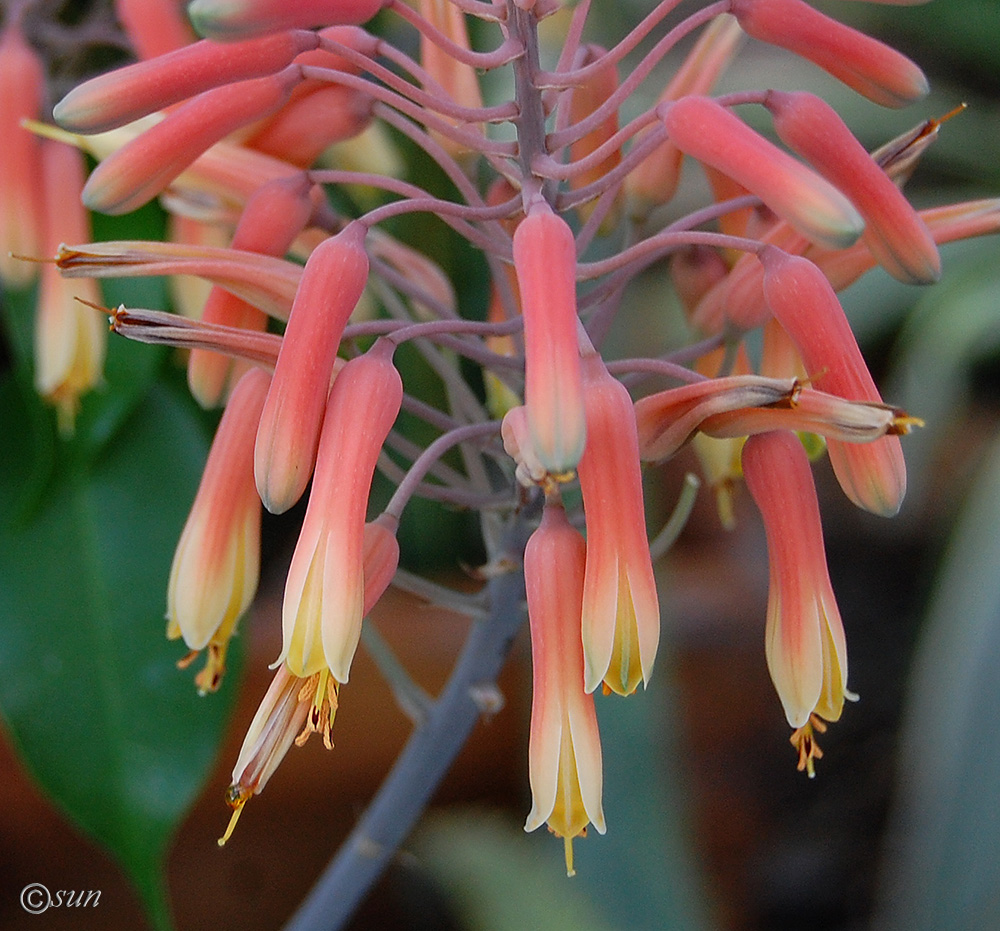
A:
(709, 825)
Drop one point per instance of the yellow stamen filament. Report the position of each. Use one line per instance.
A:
(804, 740)
(568, 847)
(322, 689)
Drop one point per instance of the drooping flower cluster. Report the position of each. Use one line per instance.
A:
(238, 132)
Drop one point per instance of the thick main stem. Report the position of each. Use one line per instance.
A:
(425, 759)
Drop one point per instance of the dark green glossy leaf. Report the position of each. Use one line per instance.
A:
(111, 730)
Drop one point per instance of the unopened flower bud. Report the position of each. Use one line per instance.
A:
(894, 232)
(22, 86)
(870, 67)
(145, 166)
(331, 286)
(707, 131)
(872, 475)
(545, 263)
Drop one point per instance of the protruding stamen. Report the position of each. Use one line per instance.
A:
(804, 740)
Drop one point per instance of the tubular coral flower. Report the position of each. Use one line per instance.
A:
(271, 220)
(119, 97)
(880, 73)
(621, 613)
(564, 748)
(145, 166)
(545, 263)
(805, 645)
(703, 129)
(22, 83)
(238, 19)
(894, 232)
(872, 475)
(294, 707)
(214, 574)
(70, 338)
(331, 287)
(324, 594)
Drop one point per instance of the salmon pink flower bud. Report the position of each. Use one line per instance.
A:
(564, 748)
(319, 114)
(655, 179)
(155, 27)
(868, 66)
(119, 97)
(946, 224)
(621, 613)
(308, 125)
(380, 559)
(873, 476)
(584, 101)
(894, 232)
(214, 574)
(238, 19)
(22, 86)
(703, 129)
(70, 339)
(805, 644)
(270, 222)
(331, 287)
(325, 592)
(144, 167)
(545, 263)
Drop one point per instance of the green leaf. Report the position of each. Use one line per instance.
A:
(943, 871)
(111, 730)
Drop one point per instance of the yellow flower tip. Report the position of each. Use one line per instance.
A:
(804, 740)
(236, 798)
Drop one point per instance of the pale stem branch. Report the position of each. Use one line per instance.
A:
(678, 517)
(414, 702)
(639, 74)
(419, 469)
(506, 52)
(616, 54)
